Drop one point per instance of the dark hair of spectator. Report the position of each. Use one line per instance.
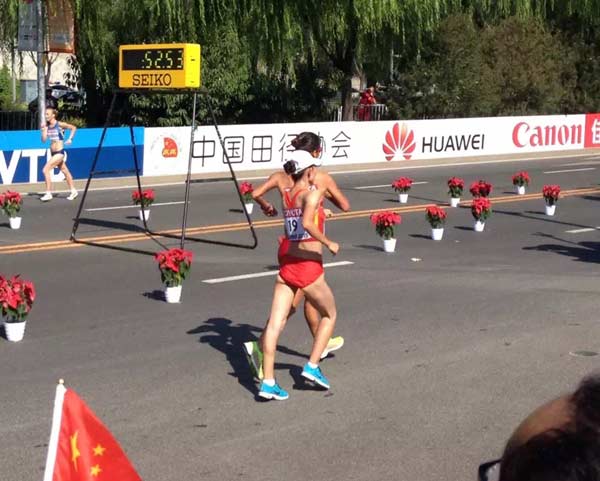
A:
(571, 453)
(586, 403)
(307, 141)
(555, 455)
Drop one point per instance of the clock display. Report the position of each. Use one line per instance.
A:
(160, 66)
(152, 59)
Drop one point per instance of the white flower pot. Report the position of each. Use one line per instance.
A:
(14, 330)
(389, 245)
(173, 294)
(521, 189)
(437, 234)
(15, 222)
(550, 209)
(144, 214)
(403, 198)
(454, 201)
(479, 226)
(249, 207)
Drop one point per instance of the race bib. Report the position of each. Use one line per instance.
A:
(294, 230)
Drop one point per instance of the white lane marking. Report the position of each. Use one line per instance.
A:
(576, 164)
(579, 231)
(265, 274)
(386, 185)
(339, 172)
(133, 206)
(568, 170)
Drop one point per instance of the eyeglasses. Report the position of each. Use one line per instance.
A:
(489, 471)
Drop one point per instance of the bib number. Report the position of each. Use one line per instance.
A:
(294, 229)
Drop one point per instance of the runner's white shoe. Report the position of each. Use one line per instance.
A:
(73, 195)
(46, 197)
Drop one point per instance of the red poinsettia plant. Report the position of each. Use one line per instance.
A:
(521, 178)
(10, 203)
(174, 265)
(551, 194)
(455, 187)
(481, 208)
(384, 223)
(16, 298)
(246, 190)
(145, 200)
(402, 184)
(481, 188)
(436, 216)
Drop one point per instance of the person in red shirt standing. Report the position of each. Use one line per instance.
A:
(367, 98)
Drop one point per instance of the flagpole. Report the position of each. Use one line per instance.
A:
(55, 431)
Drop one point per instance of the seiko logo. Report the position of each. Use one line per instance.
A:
(152, 80)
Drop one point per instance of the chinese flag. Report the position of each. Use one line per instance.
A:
(82, 448)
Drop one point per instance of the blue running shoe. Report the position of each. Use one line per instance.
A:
(315, 374)
(273, 392)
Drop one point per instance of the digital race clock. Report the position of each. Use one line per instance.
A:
(159, 66)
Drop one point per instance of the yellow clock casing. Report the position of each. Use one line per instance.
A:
(160, 66)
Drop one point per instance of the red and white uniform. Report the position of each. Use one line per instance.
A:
(297, 271)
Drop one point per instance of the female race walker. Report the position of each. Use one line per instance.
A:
(301, 267)
(53, 130)
(283, 182)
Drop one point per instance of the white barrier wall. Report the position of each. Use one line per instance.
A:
(255, 147)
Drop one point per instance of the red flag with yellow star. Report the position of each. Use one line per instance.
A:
(81, 448)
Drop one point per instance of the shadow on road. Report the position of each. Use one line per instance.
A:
(227, 337)
(537, 215)
(581, 251)
(370, 247)
(591, 197)
(155, 295)
(112, 225)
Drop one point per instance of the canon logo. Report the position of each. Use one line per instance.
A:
(537, 136)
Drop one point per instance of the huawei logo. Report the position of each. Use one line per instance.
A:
(169, 148)
(399, 139)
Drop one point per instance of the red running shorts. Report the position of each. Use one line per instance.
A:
(284, 245)
(298, 272)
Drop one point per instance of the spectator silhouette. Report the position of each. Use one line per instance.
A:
(559, 441)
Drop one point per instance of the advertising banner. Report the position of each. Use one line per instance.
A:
(255, 147)
(164, 151)
(27, 32)
(61, 26)
(23, 155)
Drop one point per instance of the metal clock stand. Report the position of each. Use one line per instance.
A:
(94, 173)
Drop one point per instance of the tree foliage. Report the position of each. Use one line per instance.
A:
(267, 60)
(513, 68)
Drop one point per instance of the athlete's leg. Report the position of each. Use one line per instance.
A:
(68, 177)
(320, 296)
(55, 161)
(297, 299)
(312, 316)
(283, 296)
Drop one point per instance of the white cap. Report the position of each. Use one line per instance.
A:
(302, 159)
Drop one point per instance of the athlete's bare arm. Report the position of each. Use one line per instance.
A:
(71, 128)
(271, 183)
(332, 192)
(310, 205)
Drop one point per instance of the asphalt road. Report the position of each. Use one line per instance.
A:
(448, 344)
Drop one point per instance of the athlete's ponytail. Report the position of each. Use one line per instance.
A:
(307, 141)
